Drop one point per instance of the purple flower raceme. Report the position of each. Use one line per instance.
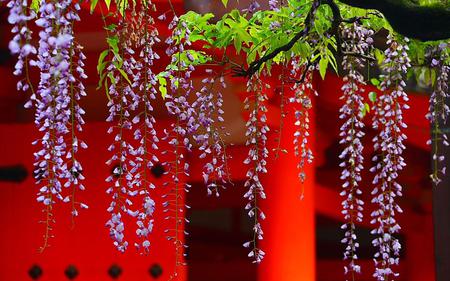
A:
(19, 16)
(122, 102)
(439, 111)
(388, 145)
(144, 93)
(357, 40)
(73, 168)
(184, 126)
(256, 135)
(55, 102)
(132, 93)
(303, 104)
(208, 106)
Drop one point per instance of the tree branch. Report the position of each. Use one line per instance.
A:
(256, 65)
(426, 23)
(309, 21)
(407, 18)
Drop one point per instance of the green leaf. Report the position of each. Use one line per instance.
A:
(365, 109)
(101, 65)
(323, 65)
(162, 85)
(237, 44)
(113, 43)
(125, 75)
(93, 5)
(375, 82)
(107, 90)
(101, 61)
(122, 72)
(379, 55)
(110, 27)
(111, 78)
(332, 59)
(225, 2)
(373, 97)
(35, 5)
(108, 3)
(235, 14)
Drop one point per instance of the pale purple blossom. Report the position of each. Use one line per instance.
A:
(209, 139)
(388, 146)
(355, 38)
(73, 167)
(302, 104)
(144, 155)
(117, 227)
(122, 102)
(252, 7)
(178, 136)
(58, 115)
(438, 111)
(19, 16)
(256, 141)
(274, 5)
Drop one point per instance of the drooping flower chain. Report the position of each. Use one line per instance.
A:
(19, 16)
(303, 104)
(144, 37)
(256, 136)
(209, 110)
(122, 101)
(388, 145)
(357, 40)
(185, 125)
(303, 100)
(77, 90)
(439, 111)
(55, 105)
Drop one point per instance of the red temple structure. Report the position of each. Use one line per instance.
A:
(302, 237)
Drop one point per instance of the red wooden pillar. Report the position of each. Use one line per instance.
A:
(289, 228)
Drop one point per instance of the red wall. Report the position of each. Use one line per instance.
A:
(87, 246)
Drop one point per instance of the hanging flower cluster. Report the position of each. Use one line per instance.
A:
(388, 145)
(256, 135)
(58, 115)
(184, 126)
(144, 81)
(122, 101)
(357, 40)
(208, 106)
(303, 104)
(19, 16)
(76, 92)
(131, 94)
(439, 111)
